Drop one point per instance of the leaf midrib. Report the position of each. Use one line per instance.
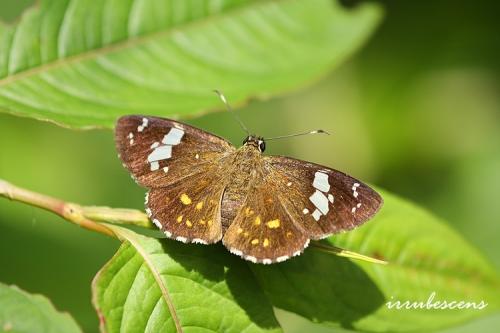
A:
(158, 279)
(126, 43)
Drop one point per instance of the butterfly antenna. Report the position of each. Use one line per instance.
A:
(319, 131)
(230, 109)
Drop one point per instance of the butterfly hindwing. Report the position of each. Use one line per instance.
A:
(263, 231)
(189, 211)
(159, 152)
(322, 201)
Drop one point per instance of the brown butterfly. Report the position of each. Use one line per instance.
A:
(264, 208)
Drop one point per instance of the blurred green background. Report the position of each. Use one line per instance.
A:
(416, 111)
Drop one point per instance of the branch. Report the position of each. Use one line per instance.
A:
(118, 215)
(69, 211)
(89, 217)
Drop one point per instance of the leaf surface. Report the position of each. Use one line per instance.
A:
(83, 63)
(425, 256)
(153, 285)
(21, 312)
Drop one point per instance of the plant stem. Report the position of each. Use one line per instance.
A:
(118, 215)
(70, 211)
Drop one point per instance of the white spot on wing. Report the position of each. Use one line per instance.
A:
(306, 244)
(197, 156)
(319, 198)
(354, 190)
(199, 241)
(173, 137)
(160, 153)
(320, 201)
(289, 184)
(236, 251)
(282, 258)
(164, 151)
(305, 211)
(267, 261)
(321, 181)
(155, 166)
(144, 124)
(157, 223)
(181, 239)
(251, 258)
(165, 169)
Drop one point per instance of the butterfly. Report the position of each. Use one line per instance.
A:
(265, 209)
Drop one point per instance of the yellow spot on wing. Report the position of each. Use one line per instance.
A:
(189, 224)
(255, 241)
(266, 242)
(239, 231)
(246, 234)
(257, 220)
(199, 205)
(210, 222)
(273, 224)
(248, 212)
(185, 199)
(288, 234)
(202, 222)
(179, 218)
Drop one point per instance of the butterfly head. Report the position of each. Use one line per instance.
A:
(255, 141)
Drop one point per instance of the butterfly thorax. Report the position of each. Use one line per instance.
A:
(246, 171)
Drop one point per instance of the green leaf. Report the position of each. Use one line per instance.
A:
(83, 63)
(424, 255)
(166, 286)
(23, 312)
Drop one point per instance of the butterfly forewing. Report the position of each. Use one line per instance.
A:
(159, 152)
(182, 167)
(322, 201)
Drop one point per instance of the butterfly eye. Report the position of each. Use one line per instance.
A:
(262, 145)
